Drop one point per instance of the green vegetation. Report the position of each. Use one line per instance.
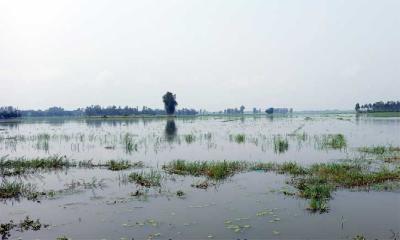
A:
(146, 179)
(213, 170)
(315, 182)
(379, 150)
(118, 165)
(25, 225)
(15, 189)
(189, 138)
(238, 138)
(280, 145)
(332, 141)
(130, 146)
(22, 165)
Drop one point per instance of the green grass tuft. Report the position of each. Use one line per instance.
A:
(146, 179)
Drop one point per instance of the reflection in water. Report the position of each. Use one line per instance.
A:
(170, 130)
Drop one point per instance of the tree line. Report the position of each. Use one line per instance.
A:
(389, 106)
(169, 100)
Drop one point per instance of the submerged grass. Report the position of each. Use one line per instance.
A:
(114, 165)
(332, 141)
(280, 145)
(213, 170)
(238, 138)
(23, 165)
(146, 179)
(315, 182)
(15, 189)
(379, 150)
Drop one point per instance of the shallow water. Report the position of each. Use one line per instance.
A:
(106, 209)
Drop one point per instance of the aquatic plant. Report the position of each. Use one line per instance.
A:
(238, 138)
(22, 165)
(280, 145)
(114, 165)
(379, 150)
(129, 144)
(146, 179)
(213, 170)
(24, 225)
(189, 138)
(332, 141)
(15, 189)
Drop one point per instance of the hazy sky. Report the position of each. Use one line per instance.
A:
(212, 54)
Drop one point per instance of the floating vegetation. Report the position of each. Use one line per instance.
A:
(213, 170)
(280, 145)
(238, 138)
(202, 185)
(146, 179)
(25, 225)
(180, 193)
(331, 141)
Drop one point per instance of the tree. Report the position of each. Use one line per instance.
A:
(242, 109)
(170, 102)
(357, 108)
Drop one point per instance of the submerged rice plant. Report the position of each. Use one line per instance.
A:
(146, 179)
(280, 145)
(332, 141)
(213, 170)
(15, 189)
(238, 138)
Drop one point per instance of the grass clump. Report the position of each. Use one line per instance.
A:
(280, 145)
(238, 138)
(15, 189)
(379, 150)
(129, 144)
(190, 138)
(22, 164)
(317, 190)
(114, 165)
(213, 170)
(146, 179)
(332, 141)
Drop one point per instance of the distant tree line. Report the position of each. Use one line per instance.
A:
(234, 110)
(9, 112)
(94, 110)
(390, 106)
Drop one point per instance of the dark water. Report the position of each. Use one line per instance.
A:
(105, 209)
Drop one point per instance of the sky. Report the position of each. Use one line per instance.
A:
(213, 54)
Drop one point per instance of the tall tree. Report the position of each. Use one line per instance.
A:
(357, 108)
(170, 102)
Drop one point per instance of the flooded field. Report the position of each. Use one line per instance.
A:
(304, 176)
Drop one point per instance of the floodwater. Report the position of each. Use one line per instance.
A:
(99, 204)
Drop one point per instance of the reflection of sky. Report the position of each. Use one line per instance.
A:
(157, 141)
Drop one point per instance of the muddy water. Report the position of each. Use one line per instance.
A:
(101, 206)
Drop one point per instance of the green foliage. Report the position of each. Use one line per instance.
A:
(146, 179)
(213, 170)
(15, 189)
(379, 150)
(332, 141)
(280, 145)
(118, 165)
(238, 138)
(189, 138)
